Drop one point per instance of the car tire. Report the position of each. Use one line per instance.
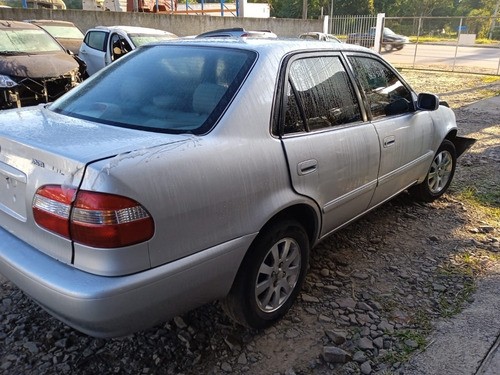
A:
(270, 276)
(440, 174)
(388, 47)
(400, 47)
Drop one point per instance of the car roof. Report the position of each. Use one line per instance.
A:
(6, 24)
(284, 46)
(237, 32)
(132, 29)
(313, 33)
(51, 22)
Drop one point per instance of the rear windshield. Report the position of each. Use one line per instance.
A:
(63, 32)
(164, 88)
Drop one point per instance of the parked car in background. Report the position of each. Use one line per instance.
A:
(390, 40)
(104, 44)
(207, 169)
(34, 68)
(238, 32)
(65, 32)
(314, 35)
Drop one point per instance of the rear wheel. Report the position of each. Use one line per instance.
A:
(440, 174)
(388, 47)
(270, 277)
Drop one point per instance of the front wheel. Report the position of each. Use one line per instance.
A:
(388, 47)
(270, 277)
(440, 174)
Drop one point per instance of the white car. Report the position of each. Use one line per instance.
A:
(104, 44)
(313, 35)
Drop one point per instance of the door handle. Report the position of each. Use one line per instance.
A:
(307, 166)
(389, 141)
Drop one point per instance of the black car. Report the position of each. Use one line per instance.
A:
(34, 67)
(390, 40)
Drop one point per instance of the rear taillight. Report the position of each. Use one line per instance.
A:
(90, 218)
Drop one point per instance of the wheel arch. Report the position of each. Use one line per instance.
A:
(241, 310)
(304, 214)
(462, 144)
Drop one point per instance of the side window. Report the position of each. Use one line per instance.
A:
(319, 95)
(96, 39)
(384, 91)
(119, 46)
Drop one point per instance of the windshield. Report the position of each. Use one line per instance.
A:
(140, 39)
(388, 31)
(27, 41)
(165, 88)
(63, 32)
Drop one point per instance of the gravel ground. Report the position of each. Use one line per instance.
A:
(371, 296)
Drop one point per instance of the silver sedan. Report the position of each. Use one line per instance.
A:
(197, 170)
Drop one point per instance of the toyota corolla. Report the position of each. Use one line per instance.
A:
(201, 170)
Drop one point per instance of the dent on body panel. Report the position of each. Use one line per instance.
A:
(138, 160)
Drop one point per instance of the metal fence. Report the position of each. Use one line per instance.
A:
(463, 44)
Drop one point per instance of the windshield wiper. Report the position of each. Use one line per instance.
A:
(13, 53)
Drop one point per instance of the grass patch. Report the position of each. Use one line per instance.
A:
(450, 39)
(403, 348)
(487, 202)
(491, 79)
(463, 268)
(422, 319)
(452, 305)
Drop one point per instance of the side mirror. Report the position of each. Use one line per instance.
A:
(427, 102)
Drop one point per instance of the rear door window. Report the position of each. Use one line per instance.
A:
(319, 95)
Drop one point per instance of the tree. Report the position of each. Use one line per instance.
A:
(293, 8)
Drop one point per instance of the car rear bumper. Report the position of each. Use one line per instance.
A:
(115, 306)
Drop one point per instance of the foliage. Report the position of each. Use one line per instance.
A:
(293, 8)
(392, 8)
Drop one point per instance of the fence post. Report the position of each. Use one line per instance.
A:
(379, 30)
(459, 31)
(416, 43)
(325, 24)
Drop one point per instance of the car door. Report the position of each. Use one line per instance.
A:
(332, 153)
(118, 46)
(93, 50)
(405, 135)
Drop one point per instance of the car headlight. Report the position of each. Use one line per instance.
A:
(74, 74)
(6, 82)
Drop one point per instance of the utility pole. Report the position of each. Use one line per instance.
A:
(304, 9)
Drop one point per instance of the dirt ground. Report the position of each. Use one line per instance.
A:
(372, 295)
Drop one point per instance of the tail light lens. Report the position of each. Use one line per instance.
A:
(94, 219)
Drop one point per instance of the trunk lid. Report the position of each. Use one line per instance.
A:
(39, 147)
